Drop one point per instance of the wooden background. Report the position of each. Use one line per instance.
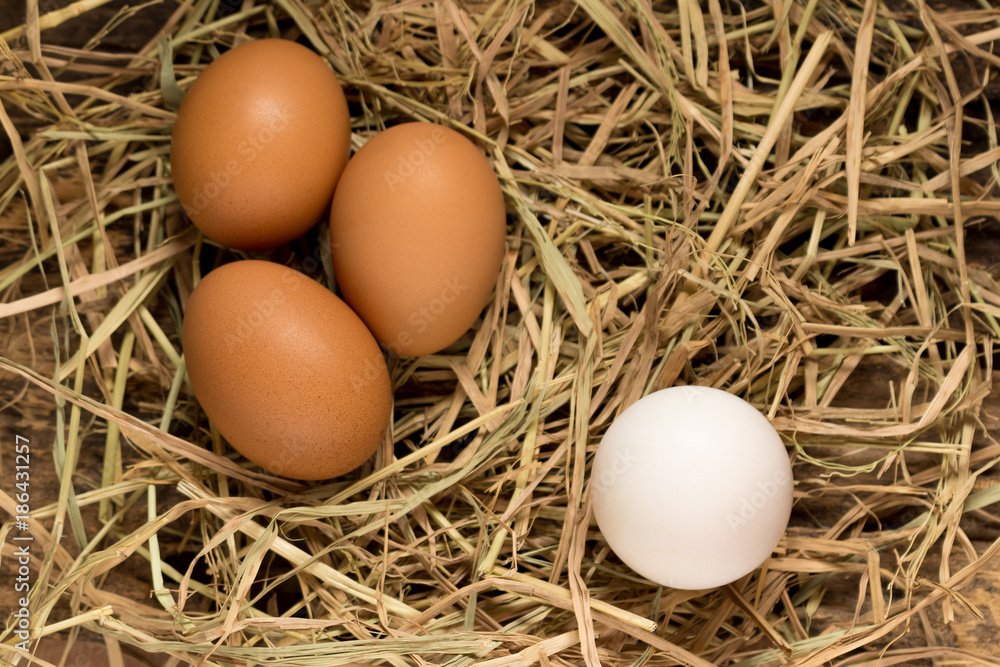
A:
(30, 412)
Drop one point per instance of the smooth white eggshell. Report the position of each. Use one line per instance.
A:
(692, 487)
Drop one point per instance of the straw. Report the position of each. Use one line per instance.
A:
(793, 202)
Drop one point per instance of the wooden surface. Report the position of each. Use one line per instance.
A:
(30, 412)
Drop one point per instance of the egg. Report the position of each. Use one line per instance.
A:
(259, 142)
(691, 487)
(285, 370)
(417, 228)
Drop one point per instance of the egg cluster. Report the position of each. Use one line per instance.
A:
(691, 486)
(292, 376)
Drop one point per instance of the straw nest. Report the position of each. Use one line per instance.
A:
(792, 201)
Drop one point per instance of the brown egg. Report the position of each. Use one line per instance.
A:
(417, 228)
(285, 370)
(260, 140)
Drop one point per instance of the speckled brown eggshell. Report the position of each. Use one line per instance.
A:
(285, 370)
(417, 228)
(260, 140)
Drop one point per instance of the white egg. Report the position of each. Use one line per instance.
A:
(692, 487)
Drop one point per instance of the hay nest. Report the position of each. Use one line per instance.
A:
(792, 201)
